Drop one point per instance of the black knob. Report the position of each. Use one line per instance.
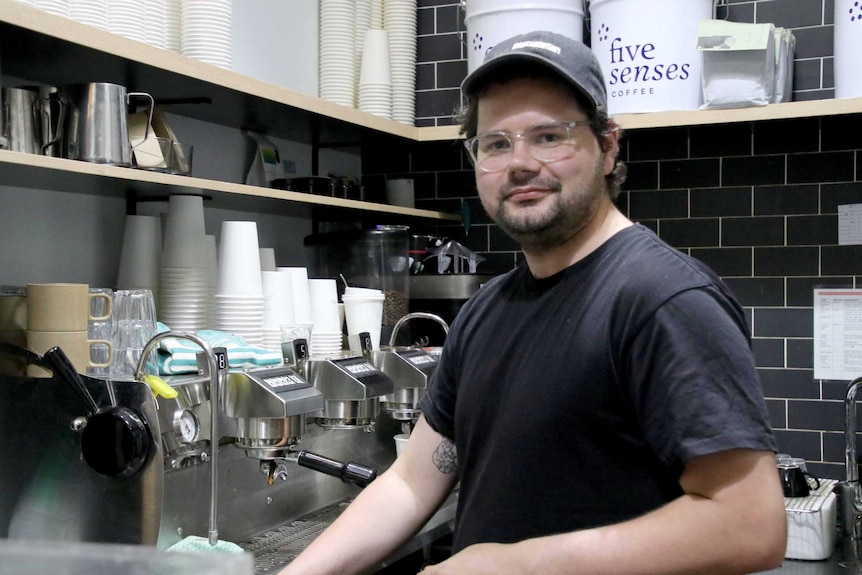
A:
(115, 442)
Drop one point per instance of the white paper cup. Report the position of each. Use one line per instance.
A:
(401, 442)
(375, 67)
(301, 297)
(239, 260)
(362, 291)
(364, 314)
(141, 254)
(184, 245)
(278, 296)
(267, 259)
(323, 295)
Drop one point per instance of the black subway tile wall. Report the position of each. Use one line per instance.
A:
(756, 201)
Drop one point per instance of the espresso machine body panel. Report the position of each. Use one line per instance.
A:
(348, 378)
(49, 490)
(269, 393)
(408, 368)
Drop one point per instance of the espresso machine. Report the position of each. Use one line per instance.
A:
(259, 417)
(410, 368)
(264, 412)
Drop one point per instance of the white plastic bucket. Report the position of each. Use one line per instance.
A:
(648, 54)
(492, 21)
(848, 46)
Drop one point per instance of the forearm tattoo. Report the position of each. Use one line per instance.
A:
(445, 457)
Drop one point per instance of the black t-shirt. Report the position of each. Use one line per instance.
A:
(575, 400)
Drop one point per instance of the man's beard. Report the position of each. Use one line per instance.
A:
(561, 217)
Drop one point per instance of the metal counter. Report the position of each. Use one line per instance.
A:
(276, 548)
(835, 565)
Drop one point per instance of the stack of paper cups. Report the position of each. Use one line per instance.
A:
(155, 20)
(278, 306)
(299, 291)
(361, 23)
(399, 20)
(326, 335)
(92, 12)
(184, 280)
(239, 294)
(141, 254)
(375, 79)
(58, 7)
(205, 33)
(376, 14)
(125, 18)
(337, 73)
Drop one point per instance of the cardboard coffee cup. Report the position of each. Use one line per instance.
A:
(61, 307)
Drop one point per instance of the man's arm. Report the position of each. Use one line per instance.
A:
(730, 520)
(388, 512)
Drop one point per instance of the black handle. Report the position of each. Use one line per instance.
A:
(27, 356)
(63, 367)
(353, 473)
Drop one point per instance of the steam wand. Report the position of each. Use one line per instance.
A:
(215, 375)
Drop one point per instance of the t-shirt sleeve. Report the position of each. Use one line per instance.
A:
(694, 384)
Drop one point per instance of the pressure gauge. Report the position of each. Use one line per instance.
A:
(186, 426)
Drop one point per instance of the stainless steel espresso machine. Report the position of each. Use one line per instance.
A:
(262, 473)
(262, 417)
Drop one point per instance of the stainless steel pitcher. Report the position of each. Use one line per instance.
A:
(20, 121)
(96, 128)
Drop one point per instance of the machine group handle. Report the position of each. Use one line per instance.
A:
(353, 473)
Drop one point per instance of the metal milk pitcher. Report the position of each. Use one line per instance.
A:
(20, 121)
(96, 127)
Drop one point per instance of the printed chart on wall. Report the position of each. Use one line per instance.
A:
(837, 334)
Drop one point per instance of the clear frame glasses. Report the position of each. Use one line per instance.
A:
(549, 142)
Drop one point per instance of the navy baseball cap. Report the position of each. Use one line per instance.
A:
(573, 61)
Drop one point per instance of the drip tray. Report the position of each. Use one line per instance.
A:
(278, 547)
(275, 549)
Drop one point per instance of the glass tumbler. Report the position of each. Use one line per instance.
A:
(134, 326)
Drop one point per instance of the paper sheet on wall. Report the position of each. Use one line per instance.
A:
(850, 225)
(837, 334)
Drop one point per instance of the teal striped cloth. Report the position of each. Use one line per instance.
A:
(195, 544)
(178, 356)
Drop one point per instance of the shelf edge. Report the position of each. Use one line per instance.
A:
(784, 111)
(133, 176)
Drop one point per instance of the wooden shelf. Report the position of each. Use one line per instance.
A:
(783, 111)
(42, 172)
(42, 47)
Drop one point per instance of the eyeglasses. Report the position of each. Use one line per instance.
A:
(551, 142)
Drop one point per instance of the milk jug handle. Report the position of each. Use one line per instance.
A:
(61, 119)
(129, 97)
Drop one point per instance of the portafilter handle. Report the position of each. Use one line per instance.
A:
(352, 473)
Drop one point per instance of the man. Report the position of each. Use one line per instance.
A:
(599, 405)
